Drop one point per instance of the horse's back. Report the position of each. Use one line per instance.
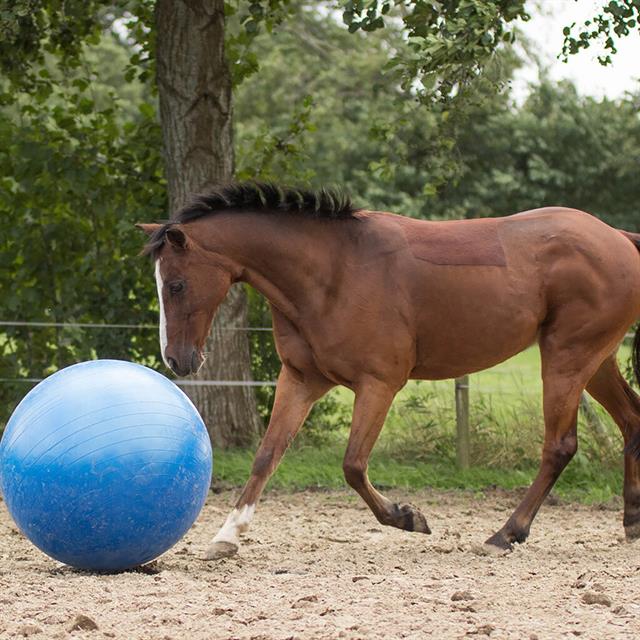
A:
(481, 289)
(527, 238)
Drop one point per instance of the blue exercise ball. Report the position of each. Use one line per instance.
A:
(105, 465)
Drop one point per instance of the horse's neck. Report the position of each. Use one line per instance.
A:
(290, 260)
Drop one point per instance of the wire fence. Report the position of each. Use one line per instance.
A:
(89, 325)
(461, 385)
(179, 382)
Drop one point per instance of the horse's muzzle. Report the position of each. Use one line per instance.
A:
(186, 365)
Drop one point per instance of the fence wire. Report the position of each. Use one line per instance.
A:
(88, 325)
(179, 382)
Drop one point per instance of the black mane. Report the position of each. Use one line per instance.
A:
(260, 197)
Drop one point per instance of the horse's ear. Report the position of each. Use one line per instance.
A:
(148, 228)
(176, 238)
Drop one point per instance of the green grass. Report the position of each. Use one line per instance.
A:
(321, 468)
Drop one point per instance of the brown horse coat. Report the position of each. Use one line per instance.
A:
(369, 300)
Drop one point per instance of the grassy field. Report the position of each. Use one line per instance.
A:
(417, 445)
(308, 467)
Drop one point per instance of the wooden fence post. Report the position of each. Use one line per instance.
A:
(462, 422)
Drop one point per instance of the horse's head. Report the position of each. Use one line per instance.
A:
(191, 285)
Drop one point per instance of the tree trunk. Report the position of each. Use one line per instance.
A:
(194, 89)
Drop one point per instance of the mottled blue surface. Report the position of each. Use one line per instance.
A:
(105, 465)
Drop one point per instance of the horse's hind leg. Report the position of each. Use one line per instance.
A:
(611, 390)
(565, 373)
(372, 403)
(560, 444)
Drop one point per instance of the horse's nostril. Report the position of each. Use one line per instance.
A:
(173, 365)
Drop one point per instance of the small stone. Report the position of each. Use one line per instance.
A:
(465, 607)
(462, 595)
(484, 630)
(27, 630)
(590, 597)
(301, 602)
(83, 623)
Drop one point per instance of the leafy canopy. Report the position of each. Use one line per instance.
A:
(616, 19)
(450, 41)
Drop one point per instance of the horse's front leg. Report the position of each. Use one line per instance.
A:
(292, 403)
(373, 399)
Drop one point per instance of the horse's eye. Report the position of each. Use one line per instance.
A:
(176, 287)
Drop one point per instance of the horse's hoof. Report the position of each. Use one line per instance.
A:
(420, 522)
(220, 549)
(498, 544)
(632, 532)
(411, 519)
(492, 551)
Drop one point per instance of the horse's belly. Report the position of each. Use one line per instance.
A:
(462, 359)
(470, 319)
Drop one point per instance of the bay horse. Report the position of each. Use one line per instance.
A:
(369, 300)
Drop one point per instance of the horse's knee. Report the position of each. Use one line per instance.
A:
(562, 451)
(263, 462)
(354, 472)
(632, 448)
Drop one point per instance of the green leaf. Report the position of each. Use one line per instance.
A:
(86, 105)
(147, 110)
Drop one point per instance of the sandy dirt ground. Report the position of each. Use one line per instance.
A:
(317, 565)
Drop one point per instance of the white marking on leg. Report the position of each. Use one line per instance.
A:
(163, 319)
(237, 522)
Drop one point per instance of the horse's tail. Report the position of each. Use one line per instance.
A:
(633, 446)
(634, 237)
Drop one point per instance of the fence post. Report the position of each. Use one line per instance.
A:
(462, 422)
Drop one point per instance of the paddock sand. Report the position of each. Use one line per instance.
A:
(317, 565)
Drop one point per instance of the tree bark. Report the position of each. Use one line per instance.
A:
(194, 89)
